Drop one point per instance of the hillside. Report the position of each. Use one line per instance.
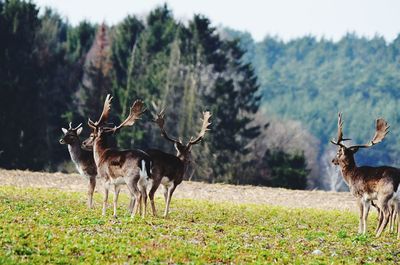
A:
(310, 80)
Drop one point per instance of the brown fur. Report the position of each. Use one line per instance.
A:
(368, 183)
(118, 165)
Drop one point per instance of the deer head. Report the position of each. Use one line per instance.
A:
(345, 154)
(97, 126)
(71, 135)
(183, 150)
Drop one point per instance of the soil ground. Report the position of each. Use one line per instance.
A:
(196, 190)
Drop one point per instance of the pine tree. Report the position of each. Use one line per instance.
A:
(96, 82)
(20, 109)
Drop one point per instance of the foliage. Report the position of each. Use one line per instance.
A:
(96, 81)
(20, 90)
(187, 69)
(37, 80)
(53, 73)
(288, 137)
(311, 80)
(43, 226)
(287, 170)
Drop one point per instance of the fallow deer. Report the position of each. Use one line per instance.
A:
(169, 169)
(119, 167)
(368, 183)
(82, 159)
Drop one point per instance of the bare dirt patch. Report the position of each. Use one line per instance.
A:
(196, 190)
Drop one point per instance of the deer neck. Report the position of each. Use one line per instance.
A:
(99, 147)
(348, 169)
(75, 152)
(185, 162)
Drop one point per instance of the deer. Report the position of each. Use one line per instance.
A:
(368, 183)
(82, 159)
(119, 167)
(169, 169)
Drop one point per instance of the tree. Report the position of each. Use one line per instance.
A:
(20, 109)
(96, 82)
(286, 170)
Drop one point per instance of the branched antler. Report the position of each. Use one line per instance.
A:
(160, 120)
(382, 129)
(340, 138)
(204, 128)
(135, 112)
(104, 115)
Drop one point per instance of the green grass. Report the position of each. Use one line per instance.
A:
(50, 226)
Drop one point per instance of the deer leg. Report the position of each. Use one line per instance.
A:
(361, 208)
(138, 196)
(397, 218)
(144, 199)
(165, 194)
(386, 214)
(366, 206)
(105, 199)
(134, 196)
(392, 216)
(91, 186)
(138, 204)
(380, 220)
(131, 204)
(376, 207)
(117, 189)
(152, 191)
(142, 185)
(170, 191)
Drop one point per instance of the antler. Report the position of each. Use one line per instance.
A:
(382, 129)
(104, 115)
(340, 138)
(135, 112)
(204, 128)
(160, 122)
(74, 129)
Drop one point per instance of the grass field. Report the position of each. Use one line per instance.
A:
(50, 226)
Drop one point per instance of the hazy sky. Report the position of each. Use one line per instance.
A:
(284, 18)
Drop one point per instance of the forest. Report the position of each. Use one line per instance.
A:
(274, 104)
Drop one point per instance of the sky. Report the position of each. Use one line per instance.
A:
(286, 19)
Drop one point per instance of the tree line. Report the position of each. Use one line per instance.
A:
(310, 80)
(52, 73)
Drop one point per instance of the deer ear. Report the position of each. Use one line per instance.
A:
(64, 130)
(78, 132)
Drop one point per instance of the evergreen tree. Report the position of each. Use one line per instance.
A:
(55, 85)
(79, 41)
(96, 82)
(284, 170)
(21, 117)
(124, 39)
